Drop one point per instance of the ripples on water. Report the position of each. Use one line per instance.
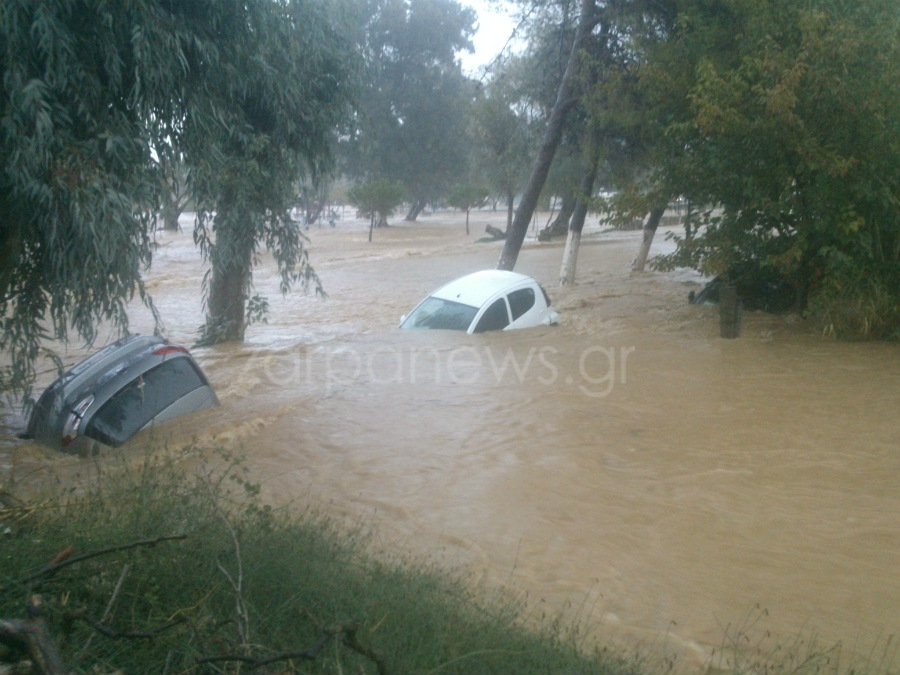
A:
(673, 485)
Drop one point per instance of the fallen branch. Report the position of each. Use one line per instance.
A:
(109, 606)
(308, 654)
(347, 636)
(54, 567)
(127, 634)
(495, 232)
(30, 637)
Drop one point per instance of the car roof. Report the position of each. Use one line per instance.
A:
(477, 288)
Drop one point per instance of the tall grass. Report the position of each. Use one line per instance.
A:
(249, 582)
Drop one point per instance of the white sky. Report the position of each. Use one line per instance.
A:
(495, 28)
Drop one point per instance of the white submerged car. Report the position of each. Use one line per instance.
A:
(483, 301)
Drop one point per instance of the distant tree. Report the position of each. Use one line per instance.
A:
(467, 197)
(415, 101)
(175, 193)
(502, 142)
(378, 199)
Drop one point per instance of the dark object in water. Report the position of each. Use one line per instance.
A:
(114, 393)
(775, 295)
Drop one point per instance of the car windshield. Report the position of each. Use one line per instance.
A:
(443, 314)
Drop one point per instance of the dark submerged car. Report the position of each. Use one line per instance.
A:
(128, 385)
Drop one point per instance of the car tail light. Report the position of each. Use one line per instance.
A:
(170, 349)
(73, 421)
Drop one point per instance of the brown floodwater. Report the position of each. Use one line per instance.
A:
(672, 490)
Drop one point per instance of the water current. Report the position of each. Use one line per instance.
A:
(673, 490)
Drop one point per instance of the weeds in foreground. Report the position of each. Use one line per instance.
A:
(158, 571)
(749, 649)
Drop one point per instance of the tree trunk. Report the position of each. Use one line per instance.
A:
(510, 208)
(565, 100)
(229, 276)
(650, 226)
(170, 213)
(227, 299)
(579, 214)
(560, 225)
(467, 222)
(688, 224)
(414, 210)
(175, 194)
(314, 211)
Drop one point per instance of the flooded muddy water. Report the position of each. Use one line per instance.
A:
(672, 489)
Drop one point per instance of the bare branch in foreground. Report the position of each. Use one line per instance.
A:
(30, 637)
(53, 568)
(308, 654)
(127, 634)
(109, 606)
(347, 636)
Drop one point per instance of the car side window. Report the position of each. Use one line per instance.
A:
(139, 401)
(495, 317)
(521, 301)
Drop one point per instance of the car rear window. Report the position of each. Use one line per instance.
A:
(441, 314)
(521, 301)
(139, 401)
(546, 297)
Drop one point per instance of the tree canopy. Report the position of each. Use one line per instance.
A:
(778, 122)
(414, 104)
(90, 96)
(277, 120)
(783, 119)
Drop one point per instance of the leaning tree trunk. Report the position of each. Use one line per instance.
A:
(565, 100)
(576, 225)
(414, 210)
(314, 212)
(510, 208)
(560, 224)
(650, 226)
